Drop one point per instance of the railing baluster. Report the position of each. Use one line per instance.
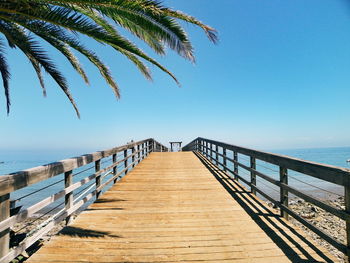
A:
(217, 154)
(283, 192)
(206, 148)
(211, 152)
(115, 168)
(133, 156)
(4, 235)
(68, 181)
(224, 159)
(98, 178)
(138, 154)
(126, 160)
(235, 165)
(252, 174)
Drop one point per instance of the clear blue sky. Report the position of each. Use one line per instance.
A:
(279, 78)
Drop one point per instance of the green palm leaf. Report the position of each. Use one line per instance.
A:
(60, 22)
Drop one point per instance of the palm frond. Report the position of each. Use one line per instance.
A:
(61, 22)
(34, 52)
(5, 74)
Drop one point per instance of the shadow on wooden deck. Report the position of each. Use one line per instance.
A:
(265, 218)
(83, 232)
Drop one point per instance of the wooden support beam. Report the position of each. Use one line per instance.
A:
(115, 169)
(283, 191)
(133, 157)
(5, 234)
(235, 158)
(98, 178)
(138, 154)
(126, 160)
(224, 159)
(252, 174)
(68, 181)
(347, 209)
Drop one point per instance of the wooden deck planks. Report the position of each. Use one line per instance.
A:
(174, 208)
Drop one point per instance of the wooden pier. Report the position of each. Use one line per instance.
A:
(171, 207)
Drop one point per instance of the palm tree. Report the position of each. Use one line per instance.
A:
(59, 23)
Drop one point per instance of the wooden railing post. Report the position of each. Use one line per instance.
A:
(68, 181)
(98, 178)
(252, 174)
(206, 149)
(126, 161)
(114, 160)
(4, 235)
(224, 159)
(133, 156)
(347, 209)
(138, 154)
(235, 165)
(143, 151)
(211, 152)
(217, 154)
(283, 192)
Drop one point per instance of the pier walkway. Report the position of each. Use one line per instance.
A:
(178, 207)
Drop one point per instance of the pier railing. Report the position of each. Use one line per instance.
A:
(72, 190)
(229, 158)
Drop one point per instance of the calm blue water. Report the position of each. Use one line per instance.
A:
(334, 156)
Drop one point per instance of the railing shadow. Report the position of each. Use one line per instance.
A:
(84, 233)
(104, 208)
(108, 200)
(265, 218)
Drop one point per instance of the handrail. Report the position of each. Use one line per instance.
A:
(337, 175)
(132, 154)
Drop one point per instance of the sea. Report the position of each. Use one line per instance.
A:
(336, 156)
